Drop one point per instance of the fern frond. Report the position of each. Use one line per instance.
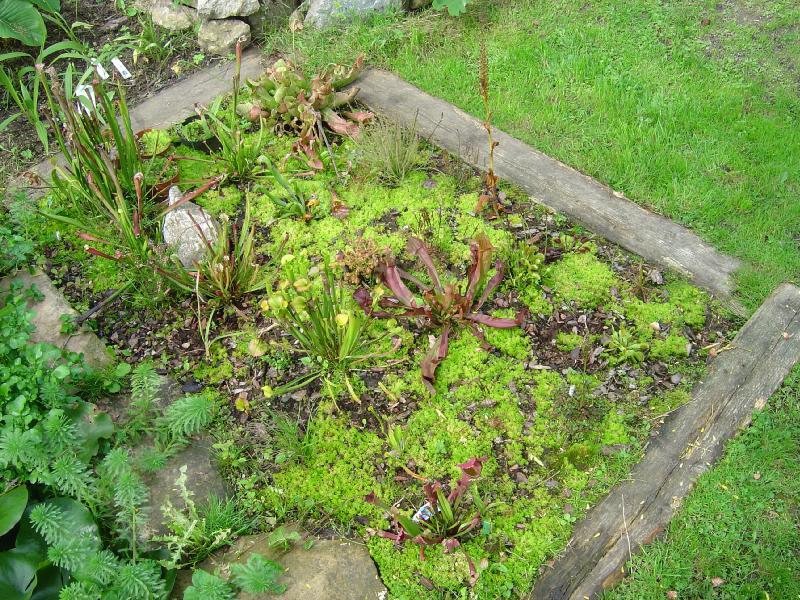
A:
(71, 554)
(102, 567)
(49, 521)
(259, 576)
(14, 446)
(71, 476)
(206, 586)
(78, 590)
(152, 460)
(189, 415)
(115, 464)
(145, 383)
(59, 432)
(51, 393)
(138, 580)
(131, 492)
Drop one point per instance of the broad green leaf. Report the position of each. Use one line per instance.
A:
(412, 528)
(20, 20)
(61, 372)
(91, 425)
(122, 369)
(454, 7)
(49, 581)
(17, 574)
(48, 5)
(12, 505)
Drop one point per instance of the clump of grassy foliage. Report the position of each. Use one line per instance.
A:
(316, 311)
(389, 151)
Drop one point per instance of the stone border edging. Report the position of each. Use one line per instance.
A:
(554, 184)
(739, 381)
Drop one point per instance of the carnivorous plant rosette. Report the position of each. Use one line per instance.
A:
(442, 519)
(442, 305)
(302, 104)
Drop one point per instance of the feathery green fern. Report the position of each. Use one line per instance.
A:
(206, 586)
(258, 576)
(189, 415)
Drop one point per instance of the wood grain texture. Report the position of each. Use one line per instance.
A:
(738, 381)
(553, 184)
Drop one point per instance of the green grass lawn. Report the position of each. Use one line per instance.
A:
(691, 108)
(740, 525)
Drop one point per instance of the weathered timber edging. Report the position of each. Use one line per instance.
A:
(738, 381)
(176, 102)
(553, 183)
(170, 105)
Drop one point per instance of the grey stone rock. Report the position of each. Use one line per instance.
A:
(180, 230)
(273, 14)
(219, 37)
(329, 569)
(222, 9)
(47, 320)
(202, 479)
(167, 14)
(322, 13)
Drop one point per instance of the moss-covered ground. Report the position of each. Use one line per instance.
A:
(560, 406)
(688, 107)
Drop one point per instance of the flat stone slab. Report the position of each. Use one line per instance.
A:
(739, 380)
(202, 479)
(47, 319)
(329, 569)
(553, 184)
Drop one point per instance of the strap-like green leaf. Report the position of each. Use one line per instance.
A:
(412, 528)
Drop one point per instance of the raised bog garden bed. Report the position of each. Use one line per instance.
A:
(460, 336)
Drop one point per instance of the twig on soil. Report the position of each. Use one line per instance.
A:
(100, 306)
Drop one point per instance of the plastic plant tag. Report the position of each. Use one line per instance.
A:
(84, 94)
(100, 70)
(423, 514)
(123, 70)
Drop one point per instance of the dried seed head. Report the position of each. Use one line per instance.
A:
(483, 66)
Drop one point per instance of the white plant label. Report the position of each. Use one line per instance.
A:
(87, 92)
(123, 70)
(100, 70)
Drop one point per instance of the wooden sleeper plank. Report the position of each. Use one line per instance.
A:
(691, 440)
(553, 184)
